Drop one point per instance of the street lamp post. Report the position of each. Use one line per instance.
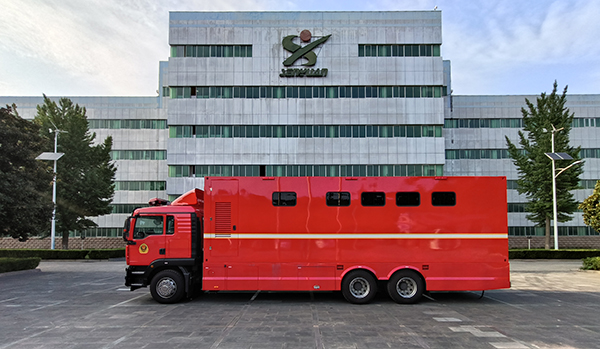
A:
(54, 157)
(557, 156)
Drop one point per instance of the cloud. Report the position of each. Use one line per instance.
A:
(109, 47)
(518, 41)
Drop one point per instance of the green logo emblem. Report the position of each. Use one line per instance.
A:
(302, 51)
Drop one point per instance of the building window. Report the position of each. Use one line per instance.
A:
(127, 124)
(305, 131)
(306, 92)
(483, 123)
(126, 208)
(562, 231)
(395, 50)
(372, 199)
(459, 154)
(513, 184)
(283, 198)
(516, 207)
(138, 155)
(306, 170)
(211, 51)
(337, 198)
(593, 153)
(140, 185)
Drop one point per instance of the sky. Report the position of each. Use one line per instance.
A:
(112, 47)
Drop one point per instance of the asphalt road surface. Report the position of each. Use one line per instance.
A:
(84, 304)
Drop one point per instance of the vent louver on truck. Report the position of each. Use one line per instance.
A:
(223, 219)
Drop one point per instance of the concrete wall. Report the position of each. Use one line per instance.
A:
(74, 243)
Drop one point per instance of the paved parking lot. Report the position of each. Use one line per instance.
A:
(83, 304)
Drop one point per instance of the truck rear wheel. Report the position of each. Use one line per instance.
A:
(406, 287)
(359, 287)
(167, 286)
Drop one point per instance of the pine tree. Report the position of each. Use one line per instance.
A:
(591, 209)
(535, 168)
(85, 174)
(25, 199)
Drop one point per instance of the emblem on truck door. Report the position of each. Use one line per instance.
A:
(144, 249)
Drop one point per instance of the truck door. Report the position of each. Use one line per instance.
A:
(149, 237)
(223, 218)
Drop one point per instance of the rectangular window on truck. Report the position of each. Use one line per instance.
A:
(148, 225)
(338, 198)
(170, 225)
(284, 198)
(372, 199)
(408, 199)
(443, 198)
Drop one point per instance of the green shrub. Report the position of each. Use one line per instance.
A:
(552, 254)
(14, 264)
(591, 263)
(63, 254)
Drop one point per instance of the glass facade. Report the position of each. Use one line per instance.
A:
(306, 92)
(140, 185)
(456, 154)
(127, 124)
(305, 131)
(305, 170)
(510, 123)
(138, 154)
(397, 50)
(211, 51)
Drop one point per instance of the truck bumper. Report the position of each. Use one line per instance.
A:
(135, 277)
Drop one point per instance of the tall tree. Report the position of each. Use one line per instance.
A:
(591, 209)
(25, 200)
(85, 184)
(535, 168)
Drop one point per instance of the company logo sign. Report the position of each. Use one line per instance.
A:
(304, 52)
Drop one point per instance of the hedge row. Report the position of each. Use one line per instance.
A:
(14, 264)
(63, 254)
(552, 254)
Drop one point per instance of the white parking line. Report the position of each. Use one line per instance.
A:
(509, 345)
(477, 332)
(447, 319)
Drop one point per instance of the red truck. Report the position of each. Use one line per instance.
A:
(354, 234)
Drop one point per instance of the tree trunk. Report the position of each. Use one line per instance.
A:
(547, 245)
(65, 240)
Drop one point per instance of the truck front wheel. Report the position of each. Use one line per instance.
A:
(167, 286)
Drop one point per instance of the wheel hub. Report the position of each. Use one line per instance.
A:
(359, 287)
(406, 287)
(166, 287)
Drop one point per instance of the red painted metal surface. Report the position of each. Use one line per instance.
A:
(310, 246)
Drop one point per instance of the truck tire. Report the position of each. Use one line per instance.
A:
(167, 287)
(359, 287)
(406, 287)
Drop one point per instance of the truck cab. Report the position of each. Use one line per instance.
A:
(164, 246)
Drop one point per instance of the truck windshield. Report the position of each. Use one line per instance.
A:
(148, 225)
